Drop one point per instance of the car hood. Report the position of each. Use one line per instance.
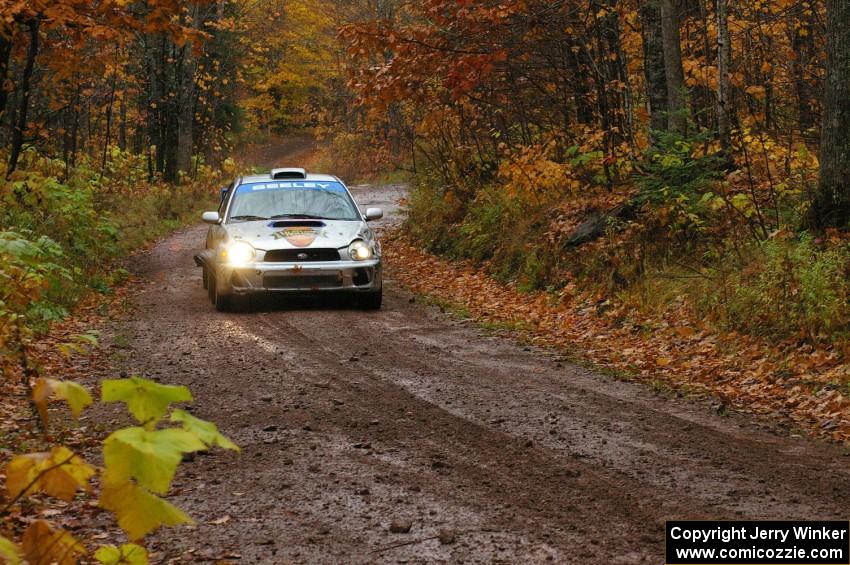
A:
(298, 234)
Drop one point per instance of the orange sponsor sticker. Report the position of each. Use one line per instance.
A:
(300, 237)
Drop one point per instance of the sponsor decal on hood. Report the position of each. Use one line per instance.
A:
(298, 236)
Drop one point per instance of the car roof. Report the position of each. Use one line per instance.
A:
(310, 176)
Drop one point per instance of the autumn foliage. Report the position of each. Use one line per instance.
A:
(666, 135)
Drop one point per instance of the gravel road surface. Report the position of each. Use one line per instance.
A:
(406, 436)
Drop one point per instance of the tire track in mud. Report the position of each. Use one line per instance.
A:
(477, 456)
(593, 434)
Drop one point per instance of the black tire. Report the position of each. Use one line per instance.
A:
(211, 287)
(226, 302)
(372, 300)
(223, 302)
(206, 278)
(240, 302)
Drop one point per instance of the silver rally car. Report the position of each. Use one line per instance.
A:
(290, 232)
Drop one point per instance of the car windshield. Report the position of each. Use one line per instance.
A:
(296, 199)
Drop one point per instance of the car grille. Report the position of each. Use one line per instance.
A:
(305, 282)
(301, 255)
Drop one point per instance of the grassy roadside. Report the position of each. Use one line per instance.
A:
(63, 231)
(667, 350)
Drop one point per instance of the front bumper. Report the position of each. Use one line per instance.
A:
(331, 276)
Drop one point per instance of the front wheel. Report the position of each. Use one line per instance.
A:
(222, 302)
(226, 302)
(372, 300)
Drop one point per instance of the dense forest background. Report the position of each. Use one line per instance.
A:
(660, 150)
(664, 175)
(657, 150)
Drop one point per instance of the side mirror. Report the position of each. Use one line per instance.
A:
(211, 218)
(374, 214)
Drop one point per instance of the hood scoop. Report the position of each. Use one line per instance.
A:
(297, 224)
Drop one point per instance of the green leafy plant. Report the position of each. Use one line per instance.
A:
(28, 268)
(64, 227)
(789, 287)
(139, 465)
(677, 176)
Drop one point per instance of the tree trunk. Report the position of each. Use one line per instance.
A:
(185, 137)
(653, 66)
(806, 54)
(5, 52)
(20, 125)
(831, 207)
(186, 103)
(108, 137)
(620, 95)
(677, 119)
(75, 130)
(122, 116)
(724, 57)
(581, 88)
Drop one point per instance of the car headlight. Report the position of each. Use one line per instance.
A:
(238, 253)
(359, 250)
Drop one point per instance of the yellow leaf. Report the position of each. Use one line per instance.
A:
(138, 511)
(58, 473)
(44, 545)
(9, 552)
(150, 457)
(127, 554)
(41, 398)
(147, 401)
(663, 361)
(756, 90)
(207, 432)
(77, 397)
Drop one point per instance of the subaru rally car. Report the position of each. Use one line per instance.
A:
(290, 232)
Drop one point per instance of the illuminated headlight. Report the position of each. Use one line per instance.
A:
(359, 250)
(239, 253)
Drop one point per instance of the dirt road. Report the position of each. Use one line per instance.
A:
(356, 425)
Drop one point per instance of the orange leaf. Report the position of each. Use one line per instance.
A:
(44, 545)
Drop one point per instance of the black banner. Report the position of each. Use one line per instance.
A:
(757, 543)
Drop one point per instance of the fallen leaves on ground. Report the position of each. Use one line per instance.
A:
(803, 385)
